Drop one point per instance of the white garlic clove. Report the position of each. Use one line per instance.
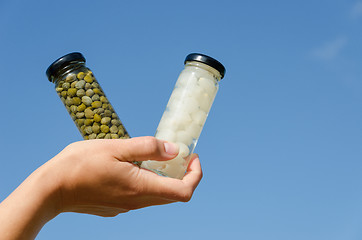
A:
(184, 137)
(208, 85)
(183, 150)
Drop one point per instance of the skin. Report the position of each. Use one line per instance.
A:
(95, 177)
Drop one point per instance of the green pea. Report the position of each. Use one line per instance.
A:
(96, 104)
(107, 113)
(81, 107)
(66, 85)
(113, 129)
(96, 128)
(105, 105)
(88, 113)
(87, 100)
(89, 92)
(68, 101)
(97, 91)
(70, 77)
(72, 92)
(100, 110)
(80, 75)
(120, 131)
(104, 128)
(80, 92)
(105, 120)
(92, 136)
(80, 84)
(103, 99)
(88, 78)
(97, 118)
(116, 122)
(88, 122)
(73, 108)
(79, 115)
(88, 129)
(95, 97)
(87, 86)
(101, 135)
(79, 122)
(114, 136)
(82, 129)
(77, 101)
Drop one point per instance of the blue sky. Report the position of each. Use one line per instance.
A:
(281, 149)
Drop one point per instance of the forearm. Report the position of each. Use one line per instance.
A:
(29, 207)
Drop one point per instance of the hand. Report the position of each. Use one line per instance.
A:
(95, 177)
(98, 176)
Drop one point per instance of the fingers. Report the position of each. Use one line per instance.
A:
(150, 148)
(194, 173)
(175, 189)
(144, 148)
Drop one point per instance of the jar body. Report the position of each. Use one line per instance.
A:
(87, 104)
(185, 116)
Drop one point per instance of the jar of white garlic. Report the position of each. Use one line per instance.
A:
(186, 112)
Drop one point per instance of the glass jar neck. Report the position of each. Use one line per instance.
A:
(212, 70)
(63, 71)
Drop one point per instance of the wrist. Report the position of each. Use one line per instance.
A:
(35, 202)
(45, 187)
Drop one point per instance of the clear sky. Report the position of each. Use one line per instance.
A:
(281, 150)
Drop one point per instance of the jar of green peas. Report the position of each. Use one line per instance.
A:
(84, 98)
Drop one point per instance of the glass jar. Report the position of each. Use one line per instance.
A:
(84, 98)
(186, 112)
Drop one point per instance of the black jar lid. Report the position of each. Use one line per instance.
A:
(198, 57)
(62, 62)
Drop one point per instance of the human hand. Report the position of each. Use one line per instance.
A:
(98, 176)
(95, 177)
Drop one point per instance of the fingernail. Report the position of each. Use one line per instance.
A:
(171, 148)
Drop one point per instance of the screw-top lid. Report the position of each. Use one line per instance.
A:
(62, 62)
(198, 57)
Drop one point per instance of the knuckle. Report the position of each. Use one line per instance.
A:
(71, 146)
(186, 197)
(152, 144)
(198, 174)
(201, 175)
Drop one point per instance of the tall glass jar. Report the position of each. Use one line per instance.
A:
(84, 98)
(186, 112)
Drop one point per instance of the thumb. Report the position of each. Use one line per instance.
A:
(145, 148)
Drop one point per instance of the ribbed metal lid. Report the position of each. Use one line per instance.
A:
(62, 62)
(198, 57)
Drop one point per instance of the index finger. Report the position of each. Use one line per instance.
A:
(175, 189)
